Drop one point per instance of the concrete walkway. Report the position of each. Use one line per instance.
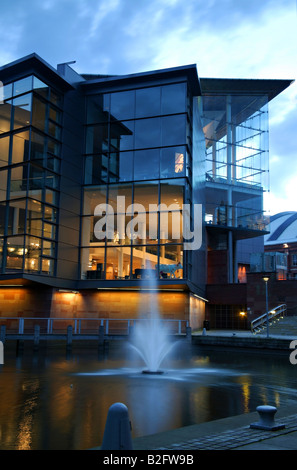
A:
(233, 433)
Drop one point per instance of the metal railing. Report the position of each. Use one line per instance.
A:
(276, 313)
(82, 326)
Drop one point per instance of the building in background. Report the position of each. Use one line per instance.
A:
(71, 142)
(282, 239)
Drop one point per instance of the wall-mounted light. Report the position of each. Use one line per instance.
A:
(68, 291)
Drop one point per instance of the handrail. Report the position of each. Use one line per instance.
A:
(257, 324)
(78, 326)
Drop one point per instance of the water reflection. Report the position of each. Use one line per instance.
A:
(49, 401)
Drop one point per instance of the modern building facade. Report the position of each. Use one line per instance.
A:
(136, 145)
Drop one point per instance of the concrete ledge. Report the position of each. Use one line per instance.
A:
(252, 342)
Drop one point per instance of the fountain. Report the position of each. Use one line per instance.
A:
(150, 337)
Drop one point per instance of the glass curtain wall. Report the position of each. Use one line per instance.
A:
(136, 160)
(236, 134)
(30, 133)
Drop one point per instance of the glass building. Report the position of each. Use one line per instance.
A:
(96, 172)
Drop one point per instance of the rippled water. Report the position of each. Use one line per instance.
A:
(50, 400)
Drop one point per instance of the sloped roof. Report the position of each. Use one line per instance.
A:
(283, 228)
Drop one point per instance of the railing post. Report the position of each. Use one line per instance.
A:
(36, 337)
(3, 333)
(69, 337)
(179, 327)
(21, 326)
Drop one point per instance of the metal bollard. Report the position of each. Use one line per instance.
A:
(266, 413)
(117, 432)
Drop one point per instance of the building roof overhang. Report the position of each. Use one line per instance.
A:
(188, 71)
(33, 64)
(269, 87)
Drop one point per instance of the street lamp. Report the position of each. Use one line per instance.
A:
(266, 279)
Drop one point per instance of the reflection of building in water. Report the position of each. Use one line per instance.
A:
(137, 144)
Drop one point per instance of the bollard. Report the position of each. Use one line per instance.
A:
(36, 337)
(117, 432)
(266, 422)
(189, 333)
(69, 338)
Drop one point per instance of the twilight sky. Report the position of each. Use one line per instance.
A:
(225, 38)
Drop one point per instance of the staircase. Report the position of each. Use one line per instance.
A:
(276, 317)
(279, 323)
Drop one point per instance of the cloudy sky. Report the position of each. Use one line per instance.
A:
(225, 38)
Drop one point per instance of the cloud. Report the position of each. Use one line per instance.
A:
(225, 38)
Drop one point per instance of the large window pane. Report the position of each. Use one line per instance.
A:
(146, 194)
(18, 181)
(48, 248)
(32, 253)
(51, 197)
(171, 261)
(22, 86)
(148, 102)
(146, 164)
(96, 169)
(122, 105)
(174, 130)
(36, 177)
(118, 262)
(15, 253)
(92, 263)
(37, 148)
(92, 198)
(55, 98)
(7, 91)
(55, 115)
(40, 87)
(125, 166)
(4, 151)
(39, 113)
(123, 191)
(174, 98)
(54, 130)
(144, 261)
(53, 147)
(5, 115)
(47, 266)
(20, 148)
(97, 139)
(22, 111)
(148, 133)
(16, 217)
(172, 162)
(50, 214)
(121, 136)
(2, 218)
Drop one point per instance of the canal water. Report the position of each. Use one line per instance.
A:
(52, 400)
